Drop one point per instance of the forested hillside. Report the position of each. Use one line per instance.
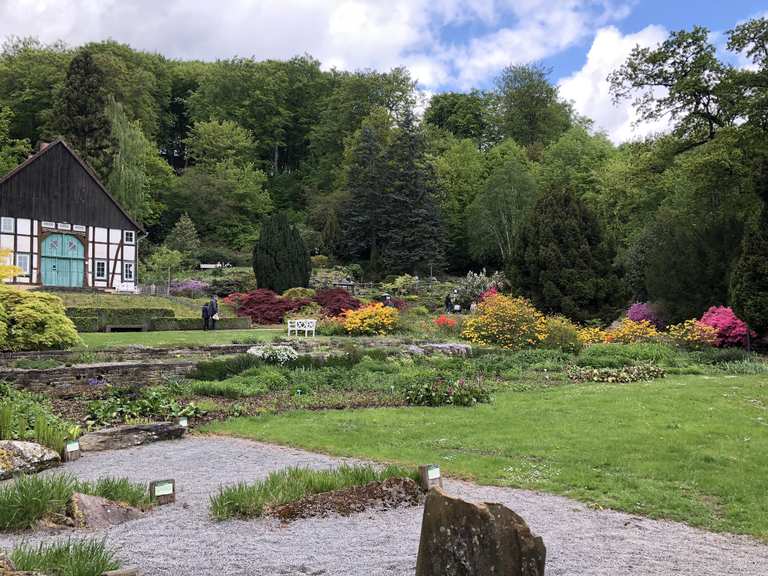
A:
(509, 178)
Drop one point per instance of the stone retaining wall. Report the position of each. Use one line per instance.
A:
(85, 379)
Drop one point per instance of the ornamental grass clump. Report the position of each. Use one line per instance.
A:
(254, 500)
(370, 320)
(512, 323)
(70, 558)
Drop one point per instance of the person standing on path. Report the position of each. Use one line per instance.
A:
(206, 316)
(213, 310)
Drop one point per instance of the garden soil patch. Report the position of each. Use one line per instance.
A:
(391, 493)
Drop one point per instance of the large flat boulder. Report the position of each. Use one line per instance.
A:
(129, 435)
(97, 513)
(460, 538)
(17, 457)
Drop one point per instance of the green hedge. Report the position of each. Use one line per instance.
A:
(120, 316)
(161, 324)
(85, 323)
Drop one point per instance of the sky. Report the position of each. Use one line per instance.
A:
(446, 44)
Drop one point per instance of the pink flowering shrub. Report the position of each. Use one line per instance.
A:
(731, 330)
(640, 311)
(492, 291)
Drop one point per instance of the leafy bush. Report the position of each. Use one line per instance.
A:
(441, 392)
(642, 311)
(562, 334)
(629, 332)
(511, 323)
(299, 293)
(692, 334)
(372, 319)
(223, 368)
(36, 321)
(189, 288)
(26, 416)
(274, 354)
(472, 286)
(264, 306)
(402, 285)
(290, 484)
(336, 301)
(624, 374)
(71, 558)
(331, 327)
(3, 326)
(151, 403)
(731, 330)
(233, 388)
(231, 282)
(319, 261)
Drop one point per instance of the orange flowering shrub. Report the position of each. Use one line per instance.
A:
(629, 332)
(512, 323)
(370, 320)
(693, 334)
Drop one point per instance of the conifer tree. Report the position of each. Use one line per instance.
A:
(183, 238)
(749, 280)
(79, 112)
(562, 263)
(280, 258)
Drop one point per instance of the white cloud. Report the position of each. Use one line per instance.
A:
(348, 34)
(588, 88)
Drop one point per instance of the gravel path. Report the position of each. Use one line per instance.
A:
(180, 538)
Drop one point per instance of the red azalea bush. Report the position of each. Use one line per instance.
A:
(731, 330)
(264, 306)
(336, 300)
(492, 291)
(444, 321)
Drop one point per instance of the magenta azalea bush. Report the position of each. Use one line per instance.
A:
(642, 311)
(731, 330)
(189, 288)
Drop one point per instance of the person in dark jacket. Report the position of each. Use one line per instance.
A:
(213, 310)
(206, 316)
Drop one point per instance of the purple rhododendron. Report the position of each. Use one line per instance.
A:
(640, 311)
(191, 288)
(731, 330)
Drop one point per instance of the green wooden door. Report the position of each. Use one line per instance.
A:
(62, 261)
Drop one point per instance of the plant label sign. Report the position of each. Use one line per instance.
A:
(72, 450)
(163, 491)
(430, 476)
(183, 421)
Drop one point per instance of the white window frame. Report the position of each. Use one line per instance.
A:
(28, 268)
(127, 234)
(7, 225)
(46, 224)
(96, 275)
(126, 276)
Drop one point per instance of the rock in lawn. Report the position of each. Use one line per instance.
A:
(96, 513)
(460, 538)
(25, 457)
(129, 435)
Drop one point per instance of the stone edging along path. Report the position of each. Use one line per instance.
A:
(181, 538)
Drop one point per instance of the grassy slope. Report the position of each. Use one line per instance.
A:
(96, 340)
(691, 448)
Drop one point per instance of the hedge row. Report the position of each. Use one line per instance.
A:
(162, 324)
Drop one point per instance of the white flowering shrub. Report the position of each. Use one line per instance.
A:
(274, 354)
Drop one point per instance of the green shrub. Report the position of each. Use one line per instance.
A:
(223, 368)
(619, 355)
(3, 326)
(237, 387)
(720, 355)
(267, 377)
(443, 391)
(562, 334)
(156, 402)
(85, 323)
(616, 375)
(291, 484)
(36, 321)
(71, 558)
(26, 416)
(297, 293)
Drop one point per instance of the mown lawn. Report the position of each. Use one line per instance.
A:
(97, 340)
(688, 448)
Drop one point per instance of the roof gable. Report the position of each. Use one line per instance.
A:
(56, 184)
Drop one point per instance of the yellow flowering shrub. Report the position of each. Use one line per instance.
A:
(692, 334)
(512, 323)
(371, 319)
(592, 335)
(562, 334)
(629, 332)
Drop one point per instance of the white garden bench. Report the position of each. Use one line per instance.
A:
(307, 325)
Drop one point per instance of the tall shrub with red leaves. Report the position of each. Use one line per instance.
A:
(731, 330)
(336, 300)
(264, 306)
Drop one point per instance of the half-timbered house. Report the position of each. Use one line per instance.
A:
(63, 227)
